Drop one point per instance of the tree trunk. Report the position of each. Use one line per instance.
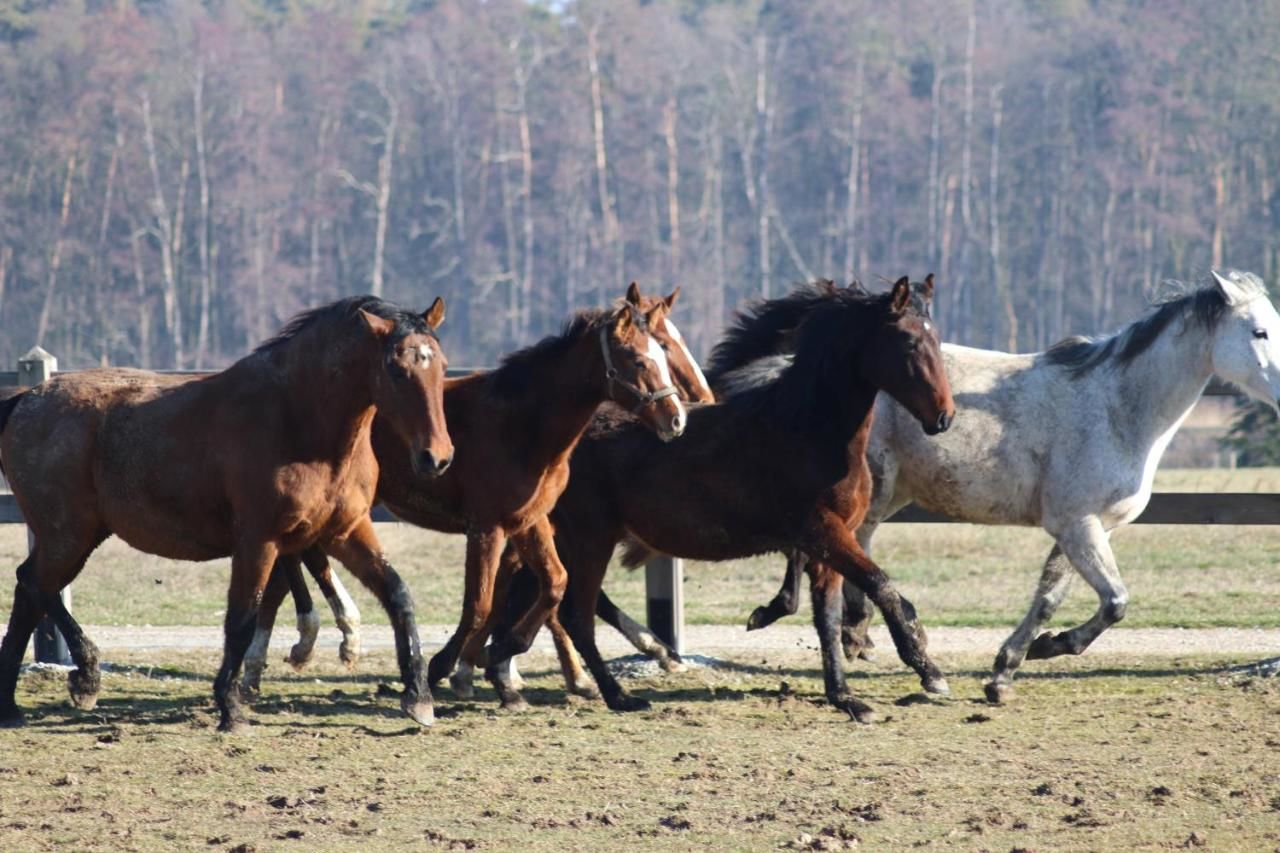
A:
(855, 151)
(670, 114)
(55, 257)
(607, 213)
(383, 197)
(998, 274)
(204, 226)
(172, 316)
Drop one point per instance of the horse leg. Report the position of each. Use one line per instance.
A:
(1055, 579)
(1088, 548)
(854, 634)
(23, 618)
(638, 635)
(463, 679)
(576, 678)
(361, 553)
(345, 613)
(825, 589)
(286, 576)
(484, 555)
(536, 545)
(838, 547)
(787, 600)
(251, 565)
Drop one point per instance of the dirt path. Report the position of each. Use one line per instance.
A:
(713, 639)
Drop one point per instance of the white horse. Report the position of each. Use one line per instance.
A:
(1069, 440)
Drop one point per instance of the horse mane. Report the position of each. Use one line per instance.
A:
(762, 328)
(807, 391)
(516, 371)
(1203, 304)
(407, 322)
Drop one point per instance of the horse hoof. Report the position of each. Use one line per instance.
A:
(421, 711)
(1044, 646)
(858, 711)
(83, 687)
(998, 694)
(514, 704)
(671, 664)
(627, 702)
(463, 688)
(249, 693)
(349, 654)
(586, 690)
(938, 686)
(299, 657)
(12, 719)
(233, 724)
(758, 618)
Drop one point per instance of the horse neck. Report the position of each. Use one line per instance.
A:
(1160, 386)
(560, 399)
(327, 386)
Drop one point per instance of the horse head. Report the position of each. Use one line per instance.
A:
(637, 370)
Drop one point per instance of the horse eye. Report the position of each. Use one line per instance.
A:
(1261, 334)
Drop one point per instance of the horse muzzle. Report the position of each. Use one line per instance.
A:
(941, 425)
(427, 464)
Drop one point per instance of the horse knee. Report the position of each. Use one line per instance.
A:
(1115, 606)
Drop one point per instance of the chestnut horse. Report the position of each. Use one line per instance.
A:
(515, 428)
(271, 456)
(692, 387)
(779, 467)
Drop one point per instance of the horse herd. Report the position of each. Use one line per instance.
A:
(607, 433)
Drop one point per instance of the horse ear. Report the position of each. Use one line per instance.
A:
(901, 294)
(378, 325)
(435, 314)
(927, 288)
(633, 294)
(1228, 287)
(622, 320)
(671, 300)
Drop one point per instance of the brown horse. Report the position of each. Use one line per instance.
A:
(515, 428)
(271, 456)
(771, 469)
(692, 387)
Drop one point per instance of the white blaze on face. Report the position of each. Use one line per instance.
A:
(424, 354)
(697, 370)
(656, 355)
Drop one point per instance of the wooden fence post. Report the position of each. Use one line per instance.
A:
(664, 600)
(33, 368)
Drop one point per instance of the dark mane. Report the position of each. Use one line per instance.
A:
(763, 328)
(407, 322)
(810, 391)
(517, 370)
(1081, 355)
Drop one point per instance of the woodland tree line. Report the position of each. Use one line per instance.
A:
(177, 178)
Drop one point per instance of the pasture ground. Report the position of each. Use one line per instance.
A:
(1099, 752)
(1123, 748)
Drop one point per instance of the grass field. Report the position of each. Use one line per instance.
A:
(955, 574)
(1157, 754)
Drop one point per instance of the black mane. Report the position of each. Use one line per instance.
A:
(1081, 355)
(763, 328)
(811, 391)
(517, 370)
(407, 322)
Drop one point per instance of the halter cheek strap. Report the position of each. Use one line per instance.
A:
(643, 397)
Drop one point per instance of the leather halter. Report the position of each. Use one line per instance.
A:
(643, 398)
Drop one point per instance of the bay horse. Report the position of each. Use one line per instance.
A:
(779, 467)
(270, 456)
(1068, 440)
(514, 429)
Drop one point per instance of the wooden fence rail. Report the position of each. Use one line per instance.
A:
(664, 576)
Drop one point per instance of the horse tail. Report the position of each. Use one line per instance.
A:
(635, 553)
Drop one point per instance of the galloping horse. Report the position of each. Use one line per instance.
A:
(1068, 440)
(776, 468)
(271, 456)
(515, 428)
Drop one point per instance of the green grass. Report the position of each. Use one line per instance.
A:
(1153, 754)
(955, 574)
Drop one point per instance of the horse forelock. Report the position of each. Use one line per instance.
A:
(1203, 305)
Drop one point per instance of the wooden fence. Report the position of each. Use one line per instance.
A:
(664, 576)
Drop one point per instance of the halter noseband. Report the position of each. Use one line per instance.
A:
(643, 398)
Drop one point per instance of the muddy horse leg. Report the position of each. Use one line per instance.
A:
(484, 556)
(841, 550)
(787, 600)
(825, 588)
(345, 613)
(638, 635)
(1055, 580)
(251, 565)
(361, 553)
(286, 576)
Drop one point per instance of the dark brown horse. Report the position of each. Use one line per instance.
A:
(779, 467)
(515, 428)
(271, 456)
(692, 387)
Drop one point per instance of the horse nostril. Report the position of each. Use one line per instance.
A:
(944, 422)
(677, 423)
(442, 465)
